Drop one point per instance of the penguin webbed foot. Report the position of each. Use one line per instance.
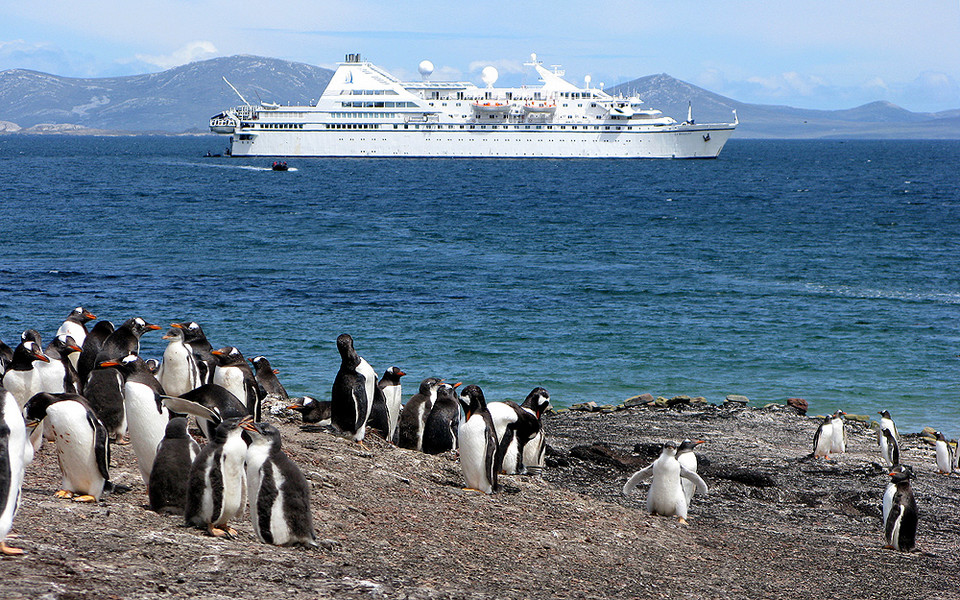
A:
(10, 550)
(225, 532)
(65, 494)
(683, 521)
(85, 498)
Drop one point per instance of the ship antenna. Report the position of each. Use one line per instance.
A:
(237, 91)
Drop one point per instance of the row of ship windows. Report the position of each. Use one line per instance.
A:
(377, 104)
(482, 127)
(368, 93)
(276, 125)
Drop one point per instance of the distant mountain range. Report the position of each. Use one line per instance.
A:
(183, 99)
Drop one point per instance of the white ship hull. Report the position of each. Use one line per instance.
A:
(365, 111)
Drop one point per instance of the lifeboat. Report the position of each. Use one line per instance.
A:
(491, 107)
(539, 108)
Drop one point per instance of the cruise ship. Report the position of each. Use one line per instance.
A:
(366, 111)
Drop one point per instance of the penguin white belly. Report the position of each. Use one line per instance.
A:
(145, 424)
(370, 385)
(943, 457)
(23, 385)
(825, 441)
(74, 330)
(232, 379)
(256, 456)
(665, 496)
(888, 502)
(279, 529)
(178, 372)
(884, 449)
(839, 439)
(17, 456)
(392, 395)
(688, 460)
(234, 479)
(473, 454)
(76, 451)
(52, 375)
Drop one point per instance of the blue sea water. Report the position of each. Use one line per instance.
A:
(824, 270)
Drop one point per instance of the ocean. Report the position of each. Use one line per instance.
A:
(825, 270)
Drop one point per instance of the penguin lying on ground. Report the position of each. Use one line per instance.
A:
(900, 518)
(171, 468)
(279, 493)
(313, 411)
(666, 496)
(216, 488)
(15, 454)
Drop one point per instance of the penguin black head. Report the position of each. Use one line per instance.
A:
(81, 315)
(138, 326)
(65, 345)
(839, 414)
(128, 365)
(345, 347)
(262, 434)
(36, 408)
(538, 400)
(669, 448)
(153, 365)
(885, 414)
(174, 333)
(940, 437)
(312, 410)
(429, 385)
(260, 362)
(392, 375)
(228, 355)
(101, 331)
(31, 335)
(446, 391)
(192, 331)
(32, 350)
(228, 426)
(176, 429)
(901, 473)
(688, 446)
(472, 398)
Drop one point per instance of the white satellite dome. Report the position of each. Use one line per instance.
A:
(425, 68)
(587, 79)
(489, 75)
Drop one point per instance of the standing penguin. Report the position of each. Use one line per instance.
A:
(534, 453)
(415, 413)
(202, 349)
(480, 458)
(233, 373)
(179, 372)
(823, 438)
(900, 530)
(75, 325)
(352, 394)
(91, 348)
(889, 491)
(889, 449)
(22, 378)
(171, 468)
(838, 442)
(886, 422)
(268, 386)
(440, 432)
(125, 339)
(81, 439)
(514, 426)
(944, 455)
(688, 460)
(666, 496)
(59, 375)
(279, 493)
(216, 488)
(104, 393)
(147, 417)
(15, 453)
(386, 404)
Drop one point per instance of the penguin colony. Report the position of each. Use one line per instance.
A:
(89, 389)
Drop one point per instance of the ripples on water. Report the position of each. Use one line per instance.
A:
(824, 270)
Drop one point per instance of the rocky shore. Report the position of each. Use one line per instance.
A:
(396, 524)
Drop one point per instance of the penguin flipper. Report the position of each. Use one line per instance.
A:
(636, 478)
(187, 407)
(696, 479)
(101, 448)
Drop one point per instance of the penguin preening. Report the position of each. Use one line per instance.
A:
(216, 487)
(387, 398)
(415, 412)
(537, 402)
(15, 453)
(665, 496)
(171, 468)
(688, 460)
(823, 438)
(944, 455)
(179, 372)
(480, 458)
(900, 520)
(75, 325)
(353, 389)
(443, 422)
(514, 426)
(233, 373)
(279, 494)
(81, 439)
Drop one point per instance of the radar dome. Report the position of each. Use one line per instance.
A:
(489, 75)
(425, 68)
(587, 79)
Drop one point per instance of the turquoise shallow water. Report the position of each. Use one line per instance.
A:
(824, 270)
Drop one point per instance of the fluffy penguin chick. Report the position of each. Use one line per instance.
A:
(279, 493)
(171, 468)
(665, 496)
(216, 490)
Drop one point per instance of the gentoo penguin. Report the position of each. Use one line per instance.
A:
(6, 355)
(944, 455)
(688, 460)
(147, 417)
(890, 491)
(900, 529)
(216, 487)
(104, 394)
(666, 496)
(22, 378)
(233, 373)
(886, 422)
(82, 449)
(440, 432)
(823, 438)
(60, 375)
(269, 387)
(514, 426)
(125, 339)
(352, 394)
(415, 412)
(838, 442)
(91, 348)
(386, 404)
(480, 458)
(75, 325)
(202, 349)
(210, 403)
(889, 449)
(179, 371)
(279, 493)
(15, 453)
(171, 468)
(313, 411)
(534, 453)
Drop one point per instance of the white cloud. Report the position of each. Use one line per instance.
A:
(190, 52)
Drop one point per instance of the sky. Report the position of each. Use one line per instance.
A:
(832, 54)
